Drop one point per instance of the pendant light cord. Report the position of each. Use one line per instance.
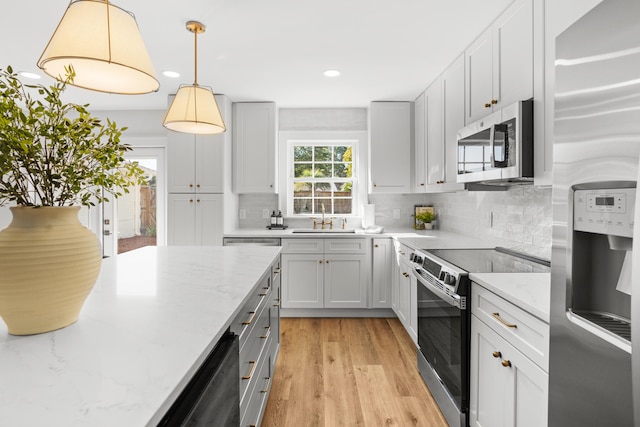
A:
(195, 56)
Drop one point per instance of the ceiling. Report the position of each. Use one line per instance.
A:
(256, 50)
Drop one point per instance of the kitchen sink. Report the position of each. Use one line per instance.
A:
(318, 231)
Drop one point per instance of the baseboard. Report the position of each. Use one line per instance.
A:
(337, 312)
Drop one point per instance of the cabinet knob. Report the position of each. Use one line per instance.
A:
(494, 101)
(376, 246)
(320, 262)
(506, 363)
(422, 184)
(190, 200)
(190, 185)
(497, 354)
(327, 261)
(375, 185)
(487, 105)
(440, 182)
(198, 186)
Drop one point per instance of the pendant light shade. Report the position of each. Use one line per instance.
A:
(103, 44)
(194, 108)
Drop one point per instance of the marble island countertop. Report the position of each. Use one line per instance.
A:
(153, 316)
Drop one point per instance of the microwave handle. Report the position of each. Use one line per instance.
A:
(500, 128)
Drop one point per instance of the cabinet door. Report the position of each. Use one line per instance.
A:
(390, 147)
(181, 220)
(302, 281)
(181, 152)
(382, 270)
(453, 100)
(209, 211)
(254, 147)
(513, 54)
(420, 144)
(345, 281)
(507, 389)
(435, 142)
(209, 163)
(404, 296)
(479, 77)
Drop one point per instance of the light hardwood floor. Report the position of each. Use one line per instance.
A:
(348, 372)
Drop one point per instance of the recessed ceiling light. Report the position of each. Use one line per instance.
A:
(172, 74)
(30, 75)
(332, 73)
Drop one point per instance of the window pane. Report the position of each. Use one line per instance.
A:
(342, 170)
(301, 170)
(327, 206)
(302, 154)
(323, 170)
(322, 189)
(342, 206)
(302, 189)
(323, 154)
(339, 153)
(342, 189)
(302, 206)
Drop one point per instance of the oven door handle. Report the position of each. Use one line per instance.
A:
(454, 301)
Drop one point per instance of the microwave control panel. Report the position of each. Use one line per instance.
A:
(604, 211)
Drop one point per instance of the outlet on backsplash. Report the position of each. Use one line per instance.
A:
(242, 213)
(265, 213)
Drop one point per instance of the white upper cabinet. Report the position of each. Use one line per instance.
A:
(499, 63)
(196, 163)
(420, 144)
(390, 147)
(434, 134)
(453, 108)
(254, 147)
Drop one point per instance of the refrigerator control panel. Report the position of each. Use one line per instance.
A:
(604, 211)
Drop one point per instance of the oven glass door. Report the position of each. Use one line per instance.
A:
(442, 337)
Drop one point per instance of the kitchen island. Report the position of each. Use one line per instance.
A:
(153, 316)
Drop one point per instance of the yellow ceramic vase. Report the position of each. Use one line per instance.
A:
(49, 262)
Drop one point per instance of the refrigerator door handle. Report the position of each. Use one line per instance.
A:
(635, 312)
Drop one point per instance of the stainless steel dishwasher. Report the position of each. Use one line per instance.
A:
(251, 241)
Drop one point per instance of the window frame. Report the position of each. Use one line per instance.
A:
(290, 139)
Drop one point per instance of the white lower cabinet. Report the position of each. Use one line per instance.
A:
(324, 273)
(382, 273)
(507, 388)
(405, 291)
(195, 219)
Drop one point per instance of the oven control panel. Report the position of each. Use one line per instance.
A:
(437, 270)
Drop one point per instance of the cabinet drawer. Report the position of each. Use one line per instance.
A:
(256, 399)
(302, 246)
(524, 331)
(244, 321)
(402, 251)
(252, 354)
(345, 246)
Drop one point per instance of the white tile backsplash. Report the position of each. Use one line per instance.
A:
(519, 218)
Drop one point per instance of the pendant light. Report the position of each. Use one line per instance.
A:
(102, 43)
(194, 108)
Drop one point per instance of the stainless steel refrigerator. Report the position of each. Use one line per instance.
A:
(596, 151)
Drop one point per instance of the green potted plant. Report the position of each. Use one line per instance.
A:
(54, 157)
(424, 219)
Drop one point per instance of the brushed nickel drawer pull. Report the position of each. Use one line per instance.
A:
(501, 320)
(250, 320)
(253, 366)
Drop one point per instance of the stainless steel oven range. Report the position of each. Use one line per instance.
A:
(444, 317)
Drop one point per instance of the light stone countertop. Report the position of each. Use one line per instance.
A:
(529, 291)
(152, 318)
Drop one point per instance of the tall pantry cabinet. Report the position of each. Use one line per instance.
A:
(196, 184)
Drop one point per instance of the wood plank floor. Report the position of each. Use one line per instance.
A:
(348, 372)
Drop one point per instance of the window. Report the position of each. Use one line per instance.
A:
(323, 176)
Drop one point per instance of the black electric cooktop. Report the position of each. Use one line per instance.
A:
(497, 260)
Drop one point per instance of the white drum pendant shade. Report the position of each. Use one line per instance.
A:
(194, 110)
(103, 44)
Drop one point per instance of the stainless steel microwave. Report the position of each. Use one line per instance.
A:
(498, 150)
